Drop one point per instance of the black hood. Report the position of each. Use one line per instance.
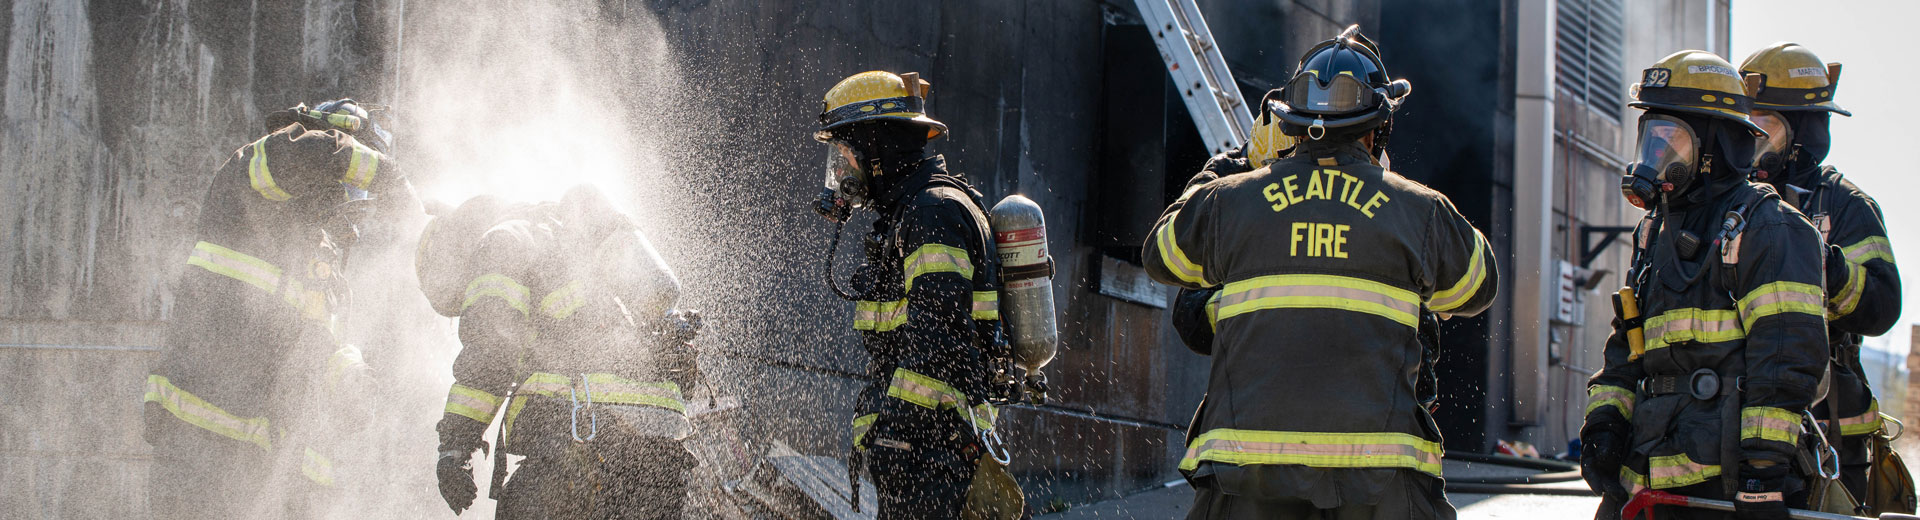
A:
(1810, 133)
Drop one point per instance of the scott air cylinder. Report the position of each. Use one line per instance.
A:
(1026, 293)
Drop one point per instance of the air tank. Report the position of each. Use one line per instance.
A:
(1026, 292)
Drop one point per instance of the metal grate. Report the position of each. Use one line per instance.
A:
(1588, 53)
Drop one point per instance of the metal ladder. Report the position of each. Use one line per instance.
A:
(1194, 62)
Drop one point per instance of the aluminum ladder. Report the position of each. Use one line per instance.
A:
(1194, 62)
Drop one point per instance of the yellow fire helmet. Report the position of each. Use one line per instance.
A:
(1697, 82)
(1268, 142)
(873, 95)
(1793, 79)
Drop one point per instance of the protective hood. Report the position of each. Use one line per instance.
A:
(1810, 133)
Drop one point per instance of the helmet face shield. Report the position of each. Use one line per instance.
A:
(845, 184)
(1668, 153)
(1340, 94)
(1776, 148)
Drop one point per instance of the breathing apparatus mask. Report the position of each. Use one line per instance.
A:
(1668, 158)
(1777, 150)
(846, 185)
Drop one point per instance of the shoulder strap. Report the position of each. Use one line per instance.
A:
(1734, 226)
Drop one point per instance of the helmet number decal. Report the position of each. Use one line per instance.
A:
(1656, 78)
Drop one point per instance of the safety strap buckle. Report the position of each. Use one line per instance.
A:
(593, 417)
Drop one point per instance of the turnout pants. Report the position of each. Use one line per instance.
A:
(1416, 497)
(606, 478)
(920, 462)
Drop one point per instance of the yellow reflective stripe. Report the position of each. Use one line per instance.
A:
(362, 167)
(1213, 312)
(605, 389)
(984, 416)
(1674, 471)
(1319, 292)
(1469, 283)
(1617, 397)
(613, 389)
(1175, 259)
(513, 412)
(1314, 449)
(937, 258)
(260, 176)
(1768, 423)
(1690, 324)
(986, 305)
(341, 361)
(472, 403)
(1848, 297)
(925, 391)
(861, 425)
(1631, 480)
(236, 265)
(499, 286)
(1868, 249)
(563, 302)
(317, 468)
(879, 316)
(1862, 424)
(197, 412)
(1782, 297)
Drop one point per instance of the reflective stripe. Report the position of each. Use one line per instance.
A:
(928, 392)
(1771, 424)
(362, 167)
(936, 258)
(341, 361)
(1314, 449)
(1319, 292)
(1690, 324)
(1782, 297)
(1617, 397)
(197, 412)
(1674, 471)
(499, 286)
(1869, 249)
(1469, 283)
(236, 265)
(472, 403)
(513, 412)
(986, 305)
(1213, 312)
(1633, 481)
(563, 302)
(1862, 424)
(605, 389)
(879, 316)
(260, 176)
(1175, 259)
(861, 425)
(317, 468)
(1848, 297)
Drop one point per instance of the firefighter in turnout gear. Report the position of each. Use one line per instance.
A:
(1706, 387)
(247, 407)
(570, 338)
(1794, 106)
(926, 300)
(1326, 240)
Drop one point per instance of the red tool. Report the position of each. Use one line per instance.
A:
(1644, 501)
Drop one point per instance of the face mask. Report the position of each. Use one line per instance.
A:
(1776, 149)
(845, 185)
(1669, 152)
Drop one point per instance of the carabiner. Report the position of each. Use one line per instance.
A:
(593, 418)
(1823, 452)
(989, 438)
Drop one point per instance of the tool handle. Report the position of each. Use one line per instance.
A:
(1628, 307)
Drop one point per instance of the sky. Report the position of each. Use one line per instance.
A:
(1871, 148)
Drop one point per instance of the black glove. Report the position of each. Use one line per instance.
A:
(1601, 452)
(1191, 321)
(1762, 494)
(1837, 269)
(456, 479)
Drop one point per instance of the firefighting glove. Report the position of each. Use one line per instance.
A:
(1190, 319)
(1601, 452)
(1762, 493)
(1838, 269)
(456, 480)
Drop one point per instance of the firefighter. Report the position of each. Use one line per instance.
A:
(1863, 286)
(244, 407)
(926, 301)
(567, 323)
(1326, 240)
(1705, 387)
